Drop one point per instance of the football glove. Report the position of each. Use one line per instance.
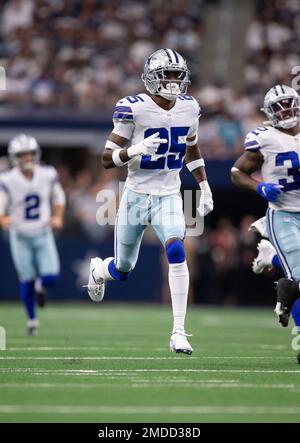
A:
(146, 147)
(206, 203)
(269, 191)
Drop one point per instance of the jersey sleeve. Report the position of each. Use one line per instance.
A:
(123, 119)
(252, 142)
(57, 192)
(4, 197)
(195, 115)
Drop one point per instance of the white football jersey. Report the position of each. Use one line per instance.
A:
(138, 117)
(28, 202)
(281, 164)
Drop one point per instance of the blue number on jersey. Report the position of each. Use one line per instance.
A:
(32, 207)
(175, 151)
(258, 130)
(294, 171)
(133, 99)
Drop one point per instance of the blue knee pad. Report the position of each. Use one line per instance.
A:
(175, 252)
(117, 275)
(48, 281)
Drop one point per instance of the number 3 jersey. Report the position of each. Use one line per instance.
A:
(281, 163)
(28, 202)
(138, 117)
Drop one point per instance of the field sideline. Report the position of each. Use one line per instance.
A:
(111, 363)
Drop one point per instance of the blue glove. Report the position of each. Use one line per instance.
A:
(269, 191)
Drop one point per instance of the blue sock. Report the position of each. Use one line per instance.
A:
(48, 281)
(296, 314)
(276, 262)
(28, 298)
(117, 275)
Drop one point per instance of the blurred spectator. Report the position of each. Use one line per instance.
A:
(88, 54)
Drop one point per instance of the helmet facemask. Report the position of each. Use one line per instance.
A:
(172, 83)
(26, 165)
(285, 112)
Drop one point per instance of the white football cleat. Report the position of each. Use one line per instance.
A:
(96, 284)
(33, 326)
(266, 252)
(179, 342)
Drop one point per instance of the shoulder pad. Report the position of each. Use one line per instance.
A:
(252, 140)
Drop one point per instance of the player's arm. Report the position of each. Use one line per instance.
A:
(241, 171)
(196, 166)
(116, 154)
(5, 220)
(115, 142)
(58, 206)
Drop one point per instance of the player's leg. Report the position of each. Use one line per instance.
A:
(47, 263)
(266, 257)
(284, 232)
(168, 222)
(131, 221)
(22, 255)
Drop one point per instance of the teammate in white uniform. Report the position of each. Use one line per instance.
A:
(275, 149)
(159, 129)
(31, 203)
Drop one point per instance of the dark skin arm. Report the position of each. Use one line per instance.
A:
(107, 162)
(246, 164)
(193, 153)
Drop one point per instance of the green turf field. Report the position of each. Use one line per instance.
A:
(111, 363)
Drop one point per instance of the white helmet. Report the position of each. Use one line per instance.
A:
(279, 100)
(21, 144)
(155, 75)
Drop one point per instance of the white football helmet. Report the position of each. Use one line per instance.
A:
(282, 106)
(21, 144)
(166, 74)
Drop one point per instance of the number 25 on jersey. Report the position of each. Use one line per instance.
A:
(171, 153)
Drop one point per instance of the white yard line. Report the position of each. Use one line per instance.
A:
(149, 384)
(60, 348)
(174, 357)
(125, 372)
(146, 410)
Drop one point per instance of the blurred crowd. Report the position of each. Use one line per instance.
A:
(87, 54)
(272, 56)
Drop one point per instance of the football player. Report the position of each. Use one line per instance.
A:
(32, 202)
(152, 134)
(267, 258)
(275, 148)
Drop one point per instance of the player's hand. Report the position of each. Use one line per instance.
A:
(6, 222)
(56, 222)
(147, 147)
(269, 191)
(206, 203)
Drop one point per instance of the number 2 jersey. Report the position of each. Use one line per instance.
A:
(28, 202)
(281, 163)
(138, 117)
